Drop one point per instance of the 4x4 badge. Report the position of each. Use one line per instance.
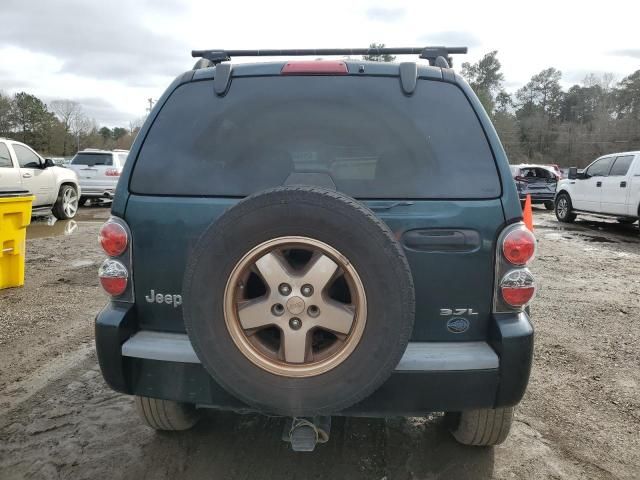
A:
(458, 325)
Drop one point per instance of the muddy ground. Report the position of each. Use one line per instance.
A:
(580, 417)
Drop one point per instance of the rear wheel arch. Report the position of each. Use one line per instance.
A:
(564, 212)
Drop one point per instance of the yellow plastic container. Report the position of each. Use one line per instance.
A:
(15, 215)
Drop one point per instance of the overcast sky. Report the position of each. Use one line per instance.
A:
(112, 56)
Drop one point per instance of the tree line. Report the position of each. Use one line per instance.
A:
(542, 123)
(539, 123)
(59, 128)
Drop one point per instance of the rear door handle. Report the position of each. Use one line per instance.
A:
(598, 184)
(623, 184)
(26, 175)
(442, 240)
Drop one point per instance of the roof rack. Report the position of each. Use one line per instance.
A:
(437, 56)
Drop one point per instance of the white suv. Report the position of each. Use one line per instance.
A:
(609, 186)
(98, 171)
(54, 188)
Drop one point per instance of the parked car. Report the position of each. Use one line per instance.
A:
(314, 255)
(609, 186)
(55, 188)
(539, 181)
(98, 172)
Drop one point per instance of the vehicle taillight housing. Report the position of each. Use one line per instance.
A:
(115, 271)
(114, 277)
(518, 287)
(113, 239)
(112, 172)
(515, 285)
(519, 246)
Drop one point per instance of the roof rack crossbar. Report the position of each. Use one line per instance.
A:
(432, 54)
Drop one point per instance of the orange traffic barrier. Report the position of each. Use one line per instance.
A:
(527, 213)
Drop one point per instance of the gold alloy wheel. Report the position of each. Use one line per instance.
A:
(295, 306)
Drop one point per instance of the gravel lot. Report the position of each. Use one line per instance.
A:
(580, 417)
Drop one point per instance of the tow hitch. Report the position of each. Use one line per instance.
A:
(304, 433)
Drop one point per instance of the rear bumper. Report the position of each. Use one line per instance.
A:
(106, 190)
(538, 197)
(432, 376)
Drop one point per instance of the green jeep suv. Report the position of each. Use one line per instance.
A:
(318, 238)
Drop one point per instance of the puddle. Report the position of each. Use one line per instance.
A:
(50, 227)
(598, 239)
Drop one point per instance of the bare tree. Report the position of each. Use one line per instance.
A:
(67, 112)
(81, 125)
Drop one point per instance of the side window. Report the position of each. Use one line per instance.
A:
(5, 158)
(600, 168)
(621, 166)
(26, 157)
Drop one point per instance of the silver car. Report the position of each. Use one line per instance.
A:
(98, 172)
(538, 181)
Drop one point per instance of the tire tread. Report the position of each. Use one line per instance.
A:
(484, 427)
(165, 414)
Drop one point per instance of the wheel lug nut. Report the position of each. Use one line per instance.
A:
(277, 309)
(313, 311)
(307, 290)
(284, 289)
(295, 323)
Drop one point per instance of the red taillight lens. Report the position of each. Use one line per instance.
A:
(113, 238)
(113, 277)
(315, 67)
(518, 287)
(112, 172)
(519, 246)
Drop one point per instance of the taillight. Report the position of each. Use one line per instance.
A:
(113, 238)
(315, 67)
(112, 172)
(518, 287)
(519, 246)
(113, 277)
(116, 272)
(515, 285)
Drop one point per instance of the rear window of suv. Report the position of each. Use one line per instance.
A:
(92, 159)
(362, 132)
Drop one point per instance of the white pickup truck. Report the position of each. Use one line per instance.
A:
(54, 188)
(609, 186)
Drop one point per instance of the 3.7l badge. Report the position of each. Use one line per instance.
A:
(457, 311)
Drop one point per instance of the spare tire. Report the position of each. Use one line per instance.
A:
(299, 301)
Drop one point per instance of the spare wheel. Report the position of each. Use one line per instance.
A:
(299, 301)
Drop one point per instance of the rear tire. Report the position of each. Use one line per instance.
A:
(482, 427)
(82, 201)
(549, 205)
(66, 205)
(564, 208)
(166, 414)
